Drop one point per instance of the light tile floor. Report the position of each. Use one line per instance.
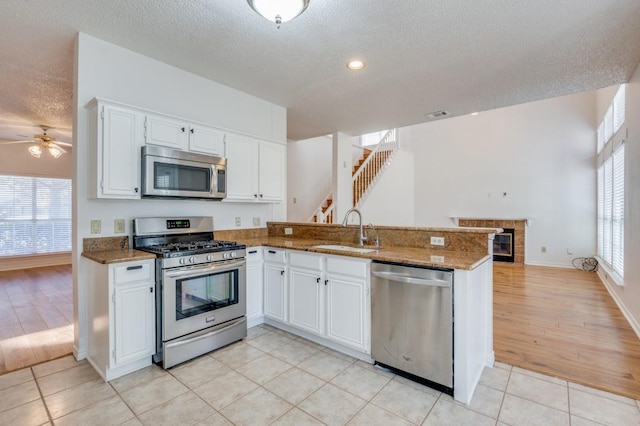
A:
(276, 378)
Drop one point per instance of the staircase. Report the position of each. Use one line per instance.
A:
(365, 173)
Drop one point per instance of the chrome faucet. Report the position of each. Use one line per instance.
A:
(363, 236)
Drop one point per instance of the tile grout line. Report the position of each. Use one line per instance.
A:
(504, 395)
(46, 408)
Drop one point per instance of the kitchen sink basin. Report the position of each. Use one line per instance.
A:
(344, 248)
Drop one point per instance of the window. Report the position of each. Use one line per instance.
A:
(611, 186)
(35, 215)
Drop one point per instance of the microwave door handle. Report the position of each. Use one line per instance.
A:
(206, 269)
(214, 179)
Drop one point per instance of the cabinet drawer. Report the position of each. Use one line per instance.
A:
(304, 260)
(345, 266)
(130, 272)
(274, 255)
(253, 254)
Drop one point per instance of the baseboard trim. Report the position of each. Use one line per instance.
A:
(550, 265)
(627, 314)
(34, 261)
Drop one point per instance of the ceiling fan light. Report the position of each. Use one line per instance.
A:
(35, 150)
(55, 152)
(279, 11)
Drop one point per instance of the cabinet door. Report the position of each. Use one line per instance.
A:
(347, 312)
(165, 131)
(242, 168)
(305, 299)
(121, 140)
(273, 165)
(206, 140)
(254, 289)
(274, 292)
(134, 320)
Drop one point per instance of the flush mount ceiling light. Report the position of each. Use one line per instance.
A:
(279, 11)
(355, 65)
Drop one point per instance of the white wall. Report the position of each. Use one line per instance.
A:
(111, 72)
(309, 168)
(628, 295)
(541, 154)
(391, 201)
(16, 160)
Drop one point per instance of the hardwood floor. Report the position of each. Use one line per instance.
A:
(564, 323)
(36, 316)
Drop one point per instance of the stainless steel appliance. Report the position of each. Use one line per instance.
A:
(171, 173)
(200, 286)
(412, 322)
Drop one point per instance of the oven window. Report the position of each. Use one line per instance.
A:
(181, 178)
(206, 293)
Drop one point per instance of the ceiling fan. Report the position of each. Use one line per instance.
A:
(43, 142)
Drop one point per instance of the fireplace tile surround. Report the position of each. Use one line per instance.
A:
(518, 225)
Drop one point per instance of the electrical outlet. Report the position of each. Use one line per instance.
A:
(437, 241)
(118, 226)
(96, 226)
(238, 221)
(295, 200)
(256, 221)
(288, 231)
(569, 251)
(543, 249)
(437, 259)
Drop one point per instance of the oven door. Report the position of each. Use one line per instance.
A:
(198, 297)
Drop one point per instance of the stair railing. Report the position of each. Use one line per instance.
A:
(321, 215)
(375, 162)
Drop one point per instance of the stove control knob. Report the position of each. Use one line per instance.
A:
(209, 257)
(225, 255)
(182, 261)
(233, 254)
(192, 259)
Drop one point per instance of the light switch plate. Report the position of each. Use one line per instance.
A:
(256, 221)
(118, 226)
(96, 226)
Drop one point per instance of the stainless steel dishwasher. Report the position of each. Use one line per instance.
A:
(412, 322)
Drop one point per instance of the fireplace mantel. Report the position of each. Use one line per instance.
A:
(457, 219)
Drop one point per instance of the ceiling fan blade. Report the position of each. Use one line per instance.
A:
(55, 145)
(12, 142)
(63, 143)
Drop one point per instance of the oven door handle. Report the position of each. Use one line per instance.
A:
(199, 270)
(206, 335)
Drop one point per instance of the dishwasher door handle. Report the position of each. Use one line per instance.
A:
(401, 278)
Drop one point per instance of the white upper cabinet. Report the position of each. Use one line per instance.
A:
(166, 131)
(207, 140)
(183, 135)
(255, 169)
(119, 134)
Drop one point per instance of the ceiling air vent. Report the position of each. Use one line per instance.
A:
(436, 114)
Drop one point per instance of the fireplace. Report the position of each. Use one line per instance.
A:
(517, 237)
(503, 245)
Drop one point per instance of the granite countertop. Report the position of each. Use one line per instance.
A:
(408, 255)
(117, 255)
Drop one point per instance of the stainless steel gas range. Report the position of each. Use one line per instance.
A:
(200, 286)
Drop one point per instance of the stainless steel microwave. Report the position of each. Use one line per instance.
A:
(172, 173)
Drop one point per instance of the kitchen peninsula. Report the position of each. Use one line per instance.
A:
(286, 269)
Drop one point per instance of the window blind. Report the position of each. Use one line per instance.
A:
(619, 108)
(35, 215)
(617, 215)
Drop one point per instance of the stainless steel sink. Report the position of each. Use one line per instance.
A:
(344, 248)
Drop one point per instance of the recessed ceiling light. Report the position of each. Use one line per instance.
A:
(475, 113)
(355, 65)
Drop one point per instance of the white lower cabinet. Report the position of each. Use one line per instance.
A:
(254, 286)
(348, 302)
(306, 292)
(275, 294)
(320, 295)
(121, 312)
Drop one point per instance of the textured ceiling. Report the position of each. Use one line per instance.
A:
(421, 56)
